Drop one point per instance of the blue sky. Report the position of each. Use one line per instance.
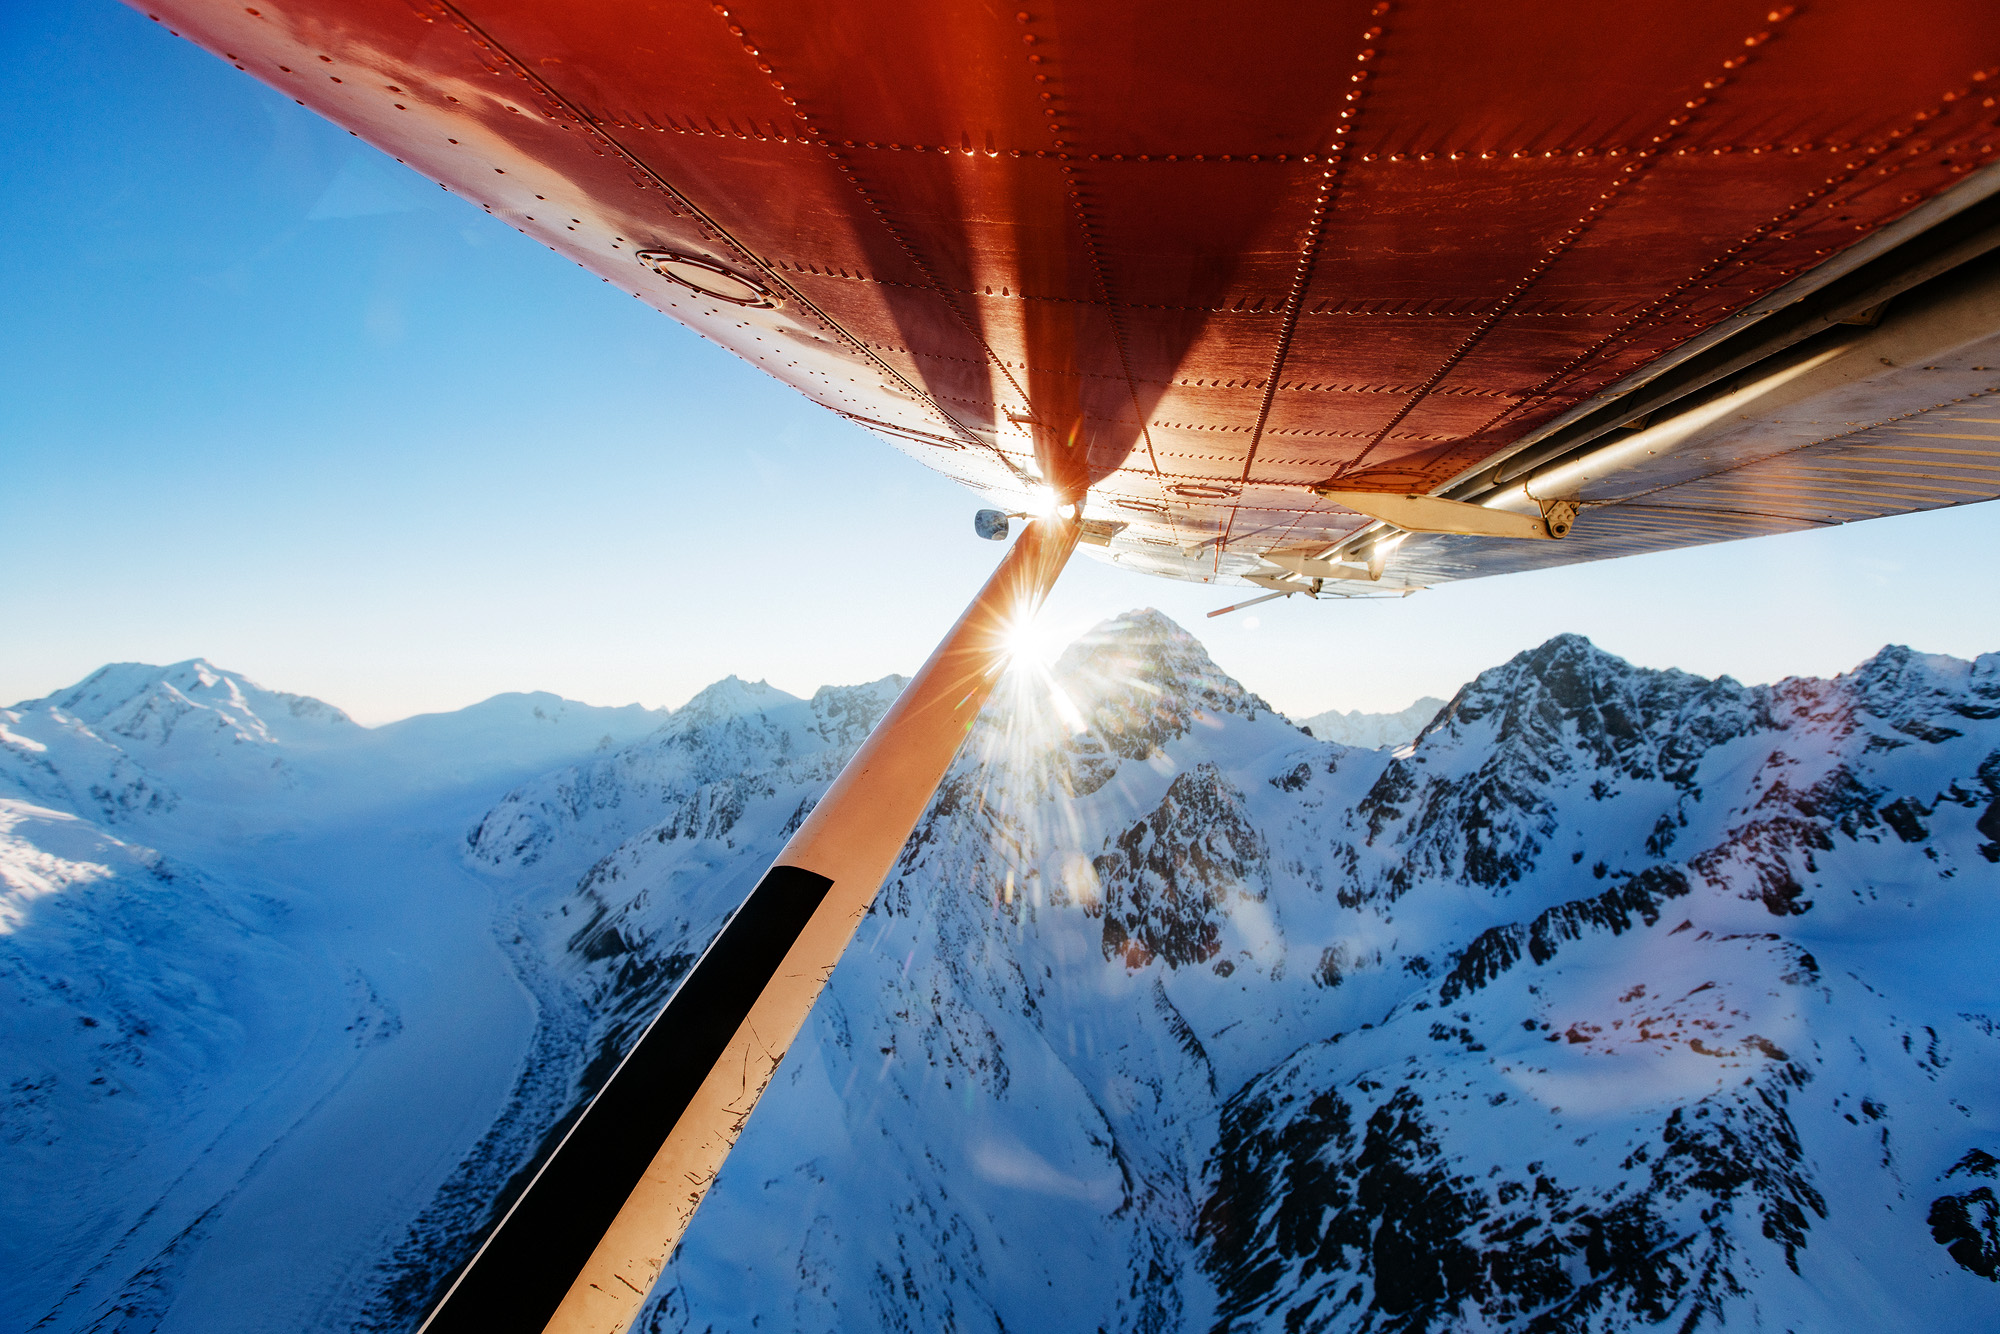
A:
(269, 398)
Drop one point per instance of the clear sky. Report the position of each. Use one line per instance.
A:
(267, 397)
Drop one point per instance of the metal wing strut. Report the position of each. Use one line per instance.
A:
(579, 1249)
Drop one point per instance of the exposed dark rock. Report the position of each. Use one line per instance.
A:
(1500, 948)
(1310, 1224)
(1164, 880)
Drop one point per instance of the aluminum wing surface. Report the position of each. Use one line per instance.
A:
(1228, 272)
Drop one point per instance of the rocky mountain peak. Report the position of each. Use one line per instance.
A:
(715, 760)
(1568, 695)
(846, 714)
(1924, 695)
(731, 697)
(1478, 793)
(1141, 681)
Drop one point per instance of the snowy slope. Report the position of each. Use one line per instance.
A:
(1618, 999)
(235, 940)
(134, 993)
(1373, 730)
(506, 736)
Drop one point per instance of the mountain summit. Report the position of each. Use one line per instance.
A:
(160, 706)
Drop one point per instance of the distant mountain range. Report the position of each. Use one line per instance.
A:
(1371, 731)
(1611, 999)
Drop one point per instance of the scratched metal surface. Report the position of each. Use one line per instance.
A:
(1193, 258)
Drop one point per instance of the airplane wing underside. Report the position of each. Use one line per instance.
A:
(1231, 272)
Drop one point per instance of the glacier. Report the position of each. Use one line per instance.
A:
(1613, 999)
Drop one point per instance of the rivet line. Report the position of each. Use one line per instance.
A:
(1627, 177)
(1765, 233)
(1113, 314)
(922, 393)
(1308, 257)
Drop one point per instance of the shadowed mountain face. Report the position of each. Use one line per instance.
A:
(1617, 1000)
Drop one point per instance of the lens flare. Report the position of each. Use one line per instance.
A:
(1030, 643)
(1032, 649)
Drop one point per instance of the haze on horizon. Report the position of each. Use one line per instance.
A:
(284, 405)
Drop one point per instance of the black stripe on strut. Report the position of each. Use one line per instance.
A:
(527, 1265)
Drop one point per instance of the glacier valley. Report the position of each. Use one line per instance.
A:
(1598, 998)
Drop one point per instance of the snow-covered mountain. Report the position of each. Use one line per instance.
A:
(1372, 731)
(234, 931)
(734, 743)
(1619, 999)
(132, 740)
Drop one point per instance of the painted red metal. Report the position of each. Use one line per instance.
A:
(1196, 258)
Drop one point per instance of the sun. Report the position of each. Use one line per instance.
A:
(1031, 642)
(1032, 647)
